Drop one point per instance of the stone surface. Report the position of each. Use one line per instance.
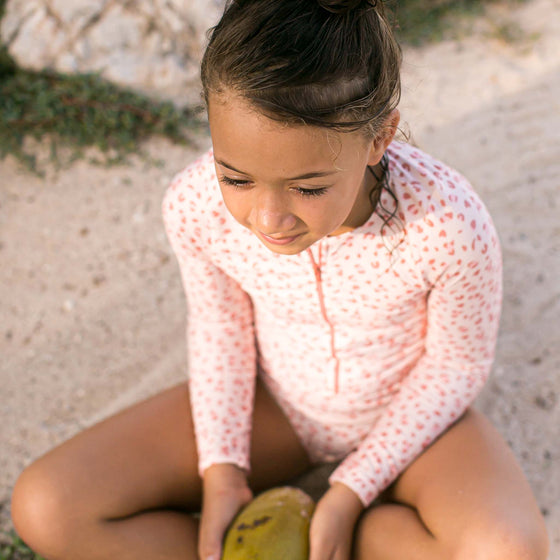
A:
(76, 14)
(38, 40)
(153, 46)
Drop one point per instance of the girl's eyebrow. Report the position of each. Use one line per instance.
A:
(309, 175)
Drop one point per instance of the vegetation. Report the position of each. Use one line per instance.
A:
(13, 548)
(79, 111)
(83, 110)
(421, 21)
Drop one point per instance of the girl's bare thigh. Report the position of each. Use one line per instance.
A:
(144, 458)
(468, 495)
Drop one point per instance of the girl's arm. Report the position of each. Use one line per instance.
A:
(221, 348)
(222, 361)
(462, 324)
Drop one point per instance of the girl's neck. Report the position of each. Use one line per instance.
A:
(365, 203)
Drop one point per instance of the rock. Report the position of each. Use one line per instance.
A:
(77, 13)
(15, 17)
(152, 46)
(39, 40)
(117, 30)
(274, 526)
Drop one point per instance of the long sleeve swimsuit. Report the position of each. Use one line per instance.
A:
(373, 342)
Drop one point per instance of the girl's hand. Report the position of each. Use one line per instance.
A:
(225, 493)
(332, 525)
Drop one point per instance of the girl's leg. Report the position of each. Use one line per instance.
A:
(464, 498)
(125, 488)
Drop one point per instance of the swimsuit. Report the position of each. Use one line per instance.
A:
(373, 342)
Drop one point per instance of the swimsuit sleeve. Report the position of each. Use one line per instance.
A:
(221, 347)
(463, 268)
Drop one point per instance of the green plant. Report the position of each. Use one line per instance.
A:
(13, 548)
(80, 111)
(421, 21)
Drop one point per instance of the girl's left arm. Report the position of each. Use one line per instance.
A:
(463, 310)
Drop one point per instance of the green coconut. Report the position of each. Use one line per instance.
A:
(273, 526)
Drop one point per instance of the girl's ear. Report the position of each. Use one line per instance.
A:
(380, 143)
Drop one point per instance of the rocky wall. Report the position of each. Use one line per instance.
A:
(153, 46)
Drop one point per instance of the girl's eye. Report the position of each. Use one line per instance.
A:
(237, 183)
(242, 183)
(311, 192)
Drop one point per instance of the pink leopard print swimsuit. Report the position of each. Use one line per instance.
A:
(373, 342)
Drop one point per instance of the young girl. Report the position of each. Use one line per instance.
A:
(344, 294)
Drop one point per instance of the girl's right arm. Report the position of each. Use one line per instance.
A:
(221, 352)
(220, 334)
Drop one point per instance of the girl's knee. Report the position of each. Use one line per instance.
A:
(39, 511)
(497, 541)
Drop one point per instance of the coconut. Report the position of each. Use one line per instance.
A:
(273, 526)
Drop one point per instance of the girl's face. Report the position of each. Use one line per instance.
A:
(291, 185)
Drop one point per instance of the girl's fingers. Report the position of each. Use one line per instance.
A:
(327, 542)
(323, 553)
(215, 520)
(332, 524)
(321, 547)
(210, 547)
(219, 509)
(329, 552)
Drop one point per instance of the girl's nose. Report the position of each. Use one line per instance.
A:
(272, 217)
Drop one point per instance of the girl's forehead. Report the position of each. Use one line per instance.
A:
(229, 105)
(240, 131)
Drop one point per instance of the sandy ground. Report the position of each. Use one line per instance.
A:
(91, 309)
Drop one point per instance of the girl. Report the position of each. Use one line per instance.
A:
(344, 294)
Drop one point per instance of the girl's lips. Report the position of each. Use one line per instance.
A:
(279, 241)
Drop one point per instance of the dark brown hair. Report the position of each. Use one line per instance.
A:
(328, 63)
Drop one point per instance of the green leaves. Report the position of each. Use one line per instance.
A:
(82, 110)
(15, 549)
(421, 21)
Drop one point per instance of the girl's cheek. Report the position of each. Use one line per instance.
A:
(232, 205)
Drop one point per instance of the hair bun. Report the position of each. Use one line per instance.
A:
(344, 6)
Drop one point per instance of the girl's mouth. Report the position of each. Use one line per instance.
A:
(279, 240)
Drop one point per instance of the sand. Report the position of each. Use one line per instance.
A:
(92, 312)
